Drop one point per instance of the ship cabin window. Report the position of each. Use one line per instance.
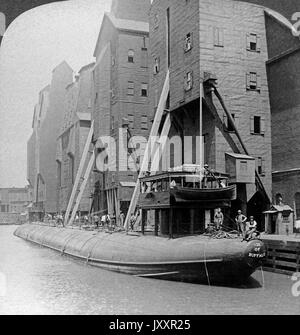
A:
(188, 81)
(130, 56)
(188, 43)
(144, 90)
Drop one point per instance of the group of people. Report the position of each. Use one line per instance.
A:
(246, 228)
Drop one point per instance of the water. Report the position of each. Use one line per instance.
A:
(41, 281)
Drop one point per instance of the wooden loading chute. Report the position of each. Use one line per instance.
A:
(259, 184)
(149, 150)
(81, 179)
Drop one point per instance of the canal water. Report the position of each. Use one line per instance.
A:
(41, 281)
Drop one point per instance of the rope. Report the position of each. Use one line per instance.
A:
(205, 265)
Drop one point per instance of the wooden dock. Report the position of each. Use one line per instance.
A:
(283, 253)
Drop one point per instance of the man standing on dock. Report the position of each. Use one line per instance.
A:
(219, 218)
(240, 220)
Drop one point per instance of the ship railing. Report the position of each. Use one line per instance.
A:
(166, 181)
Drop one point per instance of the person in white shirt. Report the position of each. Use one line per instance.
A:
(251, 229)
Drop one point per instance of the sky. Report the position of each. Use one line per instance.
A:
(33, 45)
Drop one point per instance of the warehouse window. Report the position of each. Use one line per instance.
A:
(144, 90)
(130, 56)
(144, 122)
(260, 166)
(156, 65)
(218, 37)
(188, 43)
(230, 125)
(189, 81)
(253, 42)
(131, 120)
(130, 88)
(257, 125)
(253, 81)
(144, 60)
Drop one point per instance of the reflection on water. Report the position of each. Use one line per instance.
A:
(41, 281)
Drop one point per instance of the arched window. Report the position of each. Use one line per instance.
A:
(297, 204)
(130, 56)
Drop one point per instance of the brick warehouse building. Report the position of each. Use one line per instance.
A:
(284, 85)
(232, 50)
(41, 147)
(121, 80)
(74, 132)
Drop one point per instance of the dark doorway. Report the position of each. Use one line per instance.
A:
(256, 207)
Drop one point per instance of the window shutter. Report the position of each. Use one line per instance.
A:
(248, 81)
(258, 43)
(262, 126)
(258, 86)
(248, 41)
(252, 125)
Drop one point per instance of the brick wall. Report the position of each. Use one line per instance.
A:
(112, 104)
(50, 130)
(230, 63)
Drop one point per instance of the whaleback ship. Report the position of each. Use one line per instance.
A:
(170, 239)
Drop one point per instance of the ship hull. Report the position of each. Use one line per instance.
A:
(197, 259)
